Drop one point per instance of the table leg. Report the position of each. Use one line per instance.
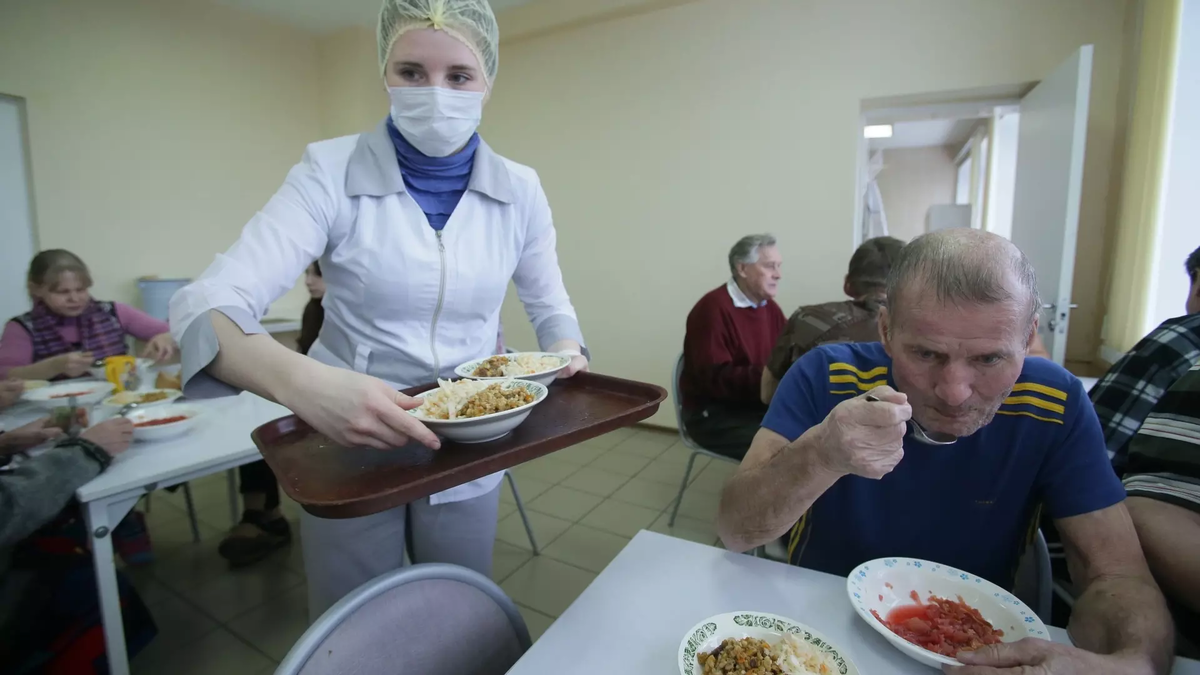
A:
(100, 523)
(234, 513)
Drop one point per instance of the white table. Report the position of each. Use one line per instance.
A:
(219, 441)
(632, 617)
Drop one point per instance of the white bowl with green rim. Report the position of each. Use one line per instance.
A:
(485, 427)
(545, 376)
(706, 635)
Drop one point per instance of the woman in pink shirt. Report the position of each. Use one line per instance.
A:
(67, 329)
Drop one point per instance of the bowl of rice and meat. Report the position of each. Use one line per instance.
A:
(540, 367)
(756, 643)
(477, 411)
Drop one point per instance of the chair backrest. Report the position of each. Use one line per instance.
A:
(429, 619)
(1034, 580)
(678, 402)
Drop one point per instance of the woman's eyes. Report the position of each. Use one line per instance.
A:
(410, 75)
(459, 78)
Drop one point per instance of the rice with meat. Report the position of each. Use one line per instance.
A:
(465, 399)
(516, 365)
(744, 656)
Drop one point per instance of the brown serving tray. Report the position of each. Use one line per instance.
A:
(333, 481)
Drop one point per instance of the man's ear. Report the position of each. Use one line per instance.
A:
(846, 287)
(1033, 331)
(884, 322)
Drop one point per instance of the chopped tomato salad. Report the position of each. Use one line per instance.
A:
(160, 422)
(943, 626)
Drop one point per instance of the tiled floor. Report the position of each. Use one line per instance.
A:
(585, 503)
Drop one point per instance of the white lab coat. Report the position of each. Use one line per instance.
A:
(403, 303)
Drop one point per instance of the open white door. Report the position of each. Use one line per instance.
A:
(1045, 220)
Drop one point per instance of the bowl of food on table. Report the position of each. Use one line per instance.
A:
(931, 611)
(477, 411)
(86, 393)
(143, 398)
(540, 367)
(757, 643)
(163, 422)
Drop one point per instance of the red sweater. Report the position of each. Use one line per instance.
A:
(726, 349)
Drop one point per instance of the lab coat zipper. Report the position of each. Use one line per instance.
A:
(437, 311)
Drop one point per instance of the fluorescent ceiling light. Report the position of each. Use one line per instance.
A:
(877, 131)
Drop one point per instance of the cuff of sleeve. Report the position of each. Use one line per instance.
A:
(561, 327)
(199, 346)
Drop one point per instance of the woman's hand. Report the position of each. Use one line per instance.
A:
(579, 362)
(355, 409)
(29, 436)
(72, 364)
(113, 435)
(161, 348)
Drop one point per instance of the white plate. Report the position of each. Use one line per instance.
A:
(165, 431)
(544, 377)
(885, 583)
(488, 427)
(709, 633)
(91, 392)
(126, 397)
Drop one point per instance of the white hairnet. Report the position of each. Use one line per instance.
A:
(470, 21)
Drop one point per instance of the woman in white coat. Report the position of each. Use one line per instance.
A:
(418, 227)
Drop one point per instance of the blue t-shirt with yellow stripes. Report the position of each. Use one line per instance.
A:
(972, 505)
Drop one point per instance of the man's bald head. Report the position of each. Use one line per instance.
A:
(962, 266)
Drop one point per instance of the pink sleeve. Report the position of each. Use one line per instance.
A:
(16, 348)
(138, 323)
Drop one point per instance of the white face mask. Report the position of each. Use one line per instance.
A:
(435, 120)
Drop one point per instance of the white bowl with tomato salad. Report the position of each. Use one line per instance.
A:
(163, 422)
(941, 607)
(87, 393)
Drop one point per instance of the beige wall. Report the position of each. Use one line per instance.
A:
(912, 180)
(157, 129)
(663, 137)
(353, 98)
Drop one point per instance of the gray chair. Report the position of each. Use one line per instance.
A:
(687, 440)
(431, 619)
(1034, 583)
(512, 483)
(191, 510)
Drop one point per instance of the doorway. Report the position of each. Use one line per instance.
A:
(16, 208)
(1018, 172)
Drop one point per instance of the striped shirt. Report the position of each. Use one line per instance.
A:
(1164, 456)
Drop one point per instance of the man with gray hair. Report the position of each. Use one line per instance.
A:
(730, 333)
(835, 469)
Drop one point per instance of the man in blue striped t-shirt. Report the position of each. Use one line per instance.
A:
(833, 468)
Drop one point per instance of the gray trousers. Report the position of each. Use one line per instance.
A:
(341, 555)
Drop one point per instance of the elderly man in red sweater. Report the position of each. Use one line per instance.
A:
(730, 334)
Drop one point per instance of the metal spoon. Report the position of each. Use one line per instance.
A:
(127, 408)
(922, 436)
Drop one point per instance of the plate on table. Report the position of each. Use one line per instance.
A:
(163, 422)
(143, 398)
(806, 643)
(451, 398)
(540, 367)
(885, 584)
(87, 393)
